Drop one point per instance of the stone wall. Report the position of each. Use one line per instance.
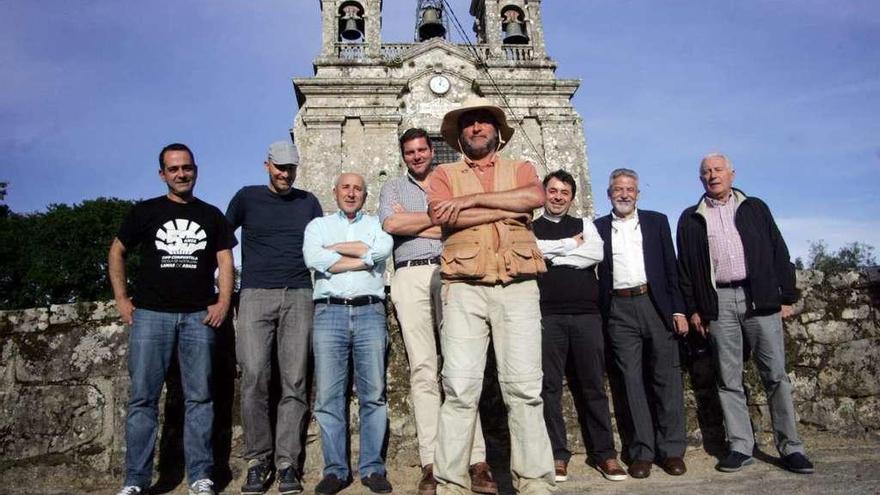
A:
(64, 386)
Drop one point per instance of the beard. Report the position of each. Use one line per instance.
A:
(624, 208)
(475, 151)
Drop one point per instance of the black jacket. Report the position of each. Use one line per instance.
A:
(771, 275)
(660, 266)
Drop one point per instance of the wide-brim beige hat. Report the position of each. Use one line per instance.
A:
(451, 131)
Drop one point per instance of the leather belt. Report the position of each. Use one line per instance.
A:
(354, 301)
(632, 291)
(732, 285)
(426, 261)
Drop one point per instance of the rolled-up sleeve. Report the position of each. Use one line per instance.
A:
(315, 255)
(380, 248)
(387, 197)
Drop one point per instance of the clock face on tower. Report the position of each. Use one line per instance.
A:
(439, 85)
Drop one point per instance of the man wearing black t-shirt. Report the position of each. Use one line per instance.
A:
(274, 312)
(182, 241)
(572, 329)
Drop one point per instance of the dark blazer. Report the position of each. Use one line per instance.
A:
(661, 267)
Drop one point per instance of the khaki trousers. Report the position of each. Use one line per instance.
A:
(513, 316)
(415, 292)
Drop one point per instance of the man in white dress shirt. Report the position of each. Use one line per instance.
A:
(644, 311)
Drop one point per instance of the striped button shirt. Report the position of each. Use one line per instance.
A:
(725, 245)
(406, 192)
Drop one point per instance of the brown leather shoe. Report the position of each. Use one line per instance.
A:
(481, 479)
(611, 470)
(428, 484)
(640, 469)
(561, 470)
(674, 466)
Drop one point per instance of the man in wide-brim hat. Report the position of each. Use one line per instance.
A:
(489, 264)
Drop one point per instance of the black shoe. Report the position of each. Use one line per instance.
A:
(258, 477)
(330, 485)
(377, 483)
(734, 462)
(288, 481)
(797, 463)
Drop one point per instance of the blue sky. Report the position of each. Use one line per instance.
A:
(789, 89)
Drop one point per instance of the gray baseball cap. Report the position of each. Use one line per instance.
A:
(283, 153)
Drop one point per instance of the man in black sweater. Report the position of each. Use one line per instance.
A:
(572, 329)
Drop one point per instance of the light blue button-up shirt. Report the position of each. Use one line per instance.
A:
(334, 228)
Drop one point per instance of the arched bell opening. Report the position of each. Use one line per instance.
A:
(429, 20)
(513, 26)
(351, 22)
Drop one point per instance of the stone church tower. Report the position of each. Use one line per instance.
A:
(365, 93)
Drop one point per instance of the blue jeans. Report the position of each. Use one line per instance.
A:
(340, 332)
(152, 340)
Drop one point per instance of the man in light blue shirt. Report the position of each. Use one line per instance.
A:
(347, 251)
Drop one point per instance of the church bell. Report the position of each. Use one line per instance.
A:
(350, 30)
(431, 26)
(514, 33)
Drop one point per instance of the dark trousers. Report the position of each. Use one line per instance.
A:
(575, 343)
(645, 349)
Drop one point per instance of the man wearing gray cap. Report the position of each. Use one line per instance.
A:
(274, 312)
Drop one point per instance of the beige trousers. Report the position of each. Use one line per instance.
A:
(415, 292)
(513, 316)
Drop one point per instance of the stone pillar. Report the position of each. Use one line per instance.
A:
(320, 147)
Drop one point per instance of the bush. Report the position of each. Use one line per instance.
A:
(59, 256)
(853, 256)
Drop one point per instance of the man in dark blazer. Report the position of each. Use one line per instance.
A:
(643, 312)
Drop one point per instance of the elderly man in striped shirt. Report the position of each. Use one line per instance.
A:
(738, 284)
(415, 291)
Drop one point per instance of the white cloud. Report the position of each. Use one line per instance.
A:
(799, 232)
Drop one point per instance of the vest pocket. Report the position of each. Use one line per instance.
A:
(463, 261)
(524, 260)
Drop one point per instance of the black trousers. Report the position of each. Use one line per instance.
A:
(645, 349)
(573, 346)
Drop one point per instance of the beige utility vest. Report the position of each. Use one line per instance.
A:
(490, 253)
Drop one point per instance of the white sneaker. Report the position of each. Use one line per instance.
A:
(130, 490)
(202, 487)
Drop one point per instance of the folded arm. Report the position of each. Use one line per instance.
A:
(411, 224)
(474, 209)
(586, 253)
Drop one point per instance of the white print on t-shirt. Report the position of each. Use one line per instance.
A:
(181, 239)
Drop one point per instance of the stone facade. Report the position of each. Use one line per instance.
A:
(64, 388)
(364, 94)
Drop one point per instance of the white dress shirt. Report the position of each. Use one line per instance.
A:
(628, 269)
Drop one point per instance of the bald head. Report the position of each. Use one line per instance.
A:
(350, 191)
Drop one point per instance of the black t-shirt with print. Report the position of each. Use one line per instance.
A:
(178, 244)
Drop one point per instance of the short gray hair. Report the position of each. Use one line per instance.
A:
(716, 155)
(622, 172)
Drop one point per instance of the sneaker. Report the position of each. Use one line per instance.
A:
(202, 487)
(734, 462)
(288, 481)
(130, 490)
(258, 476)
(330, 485)
(611, 470)
(797, 463)
(377, 483)
(561, 468)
